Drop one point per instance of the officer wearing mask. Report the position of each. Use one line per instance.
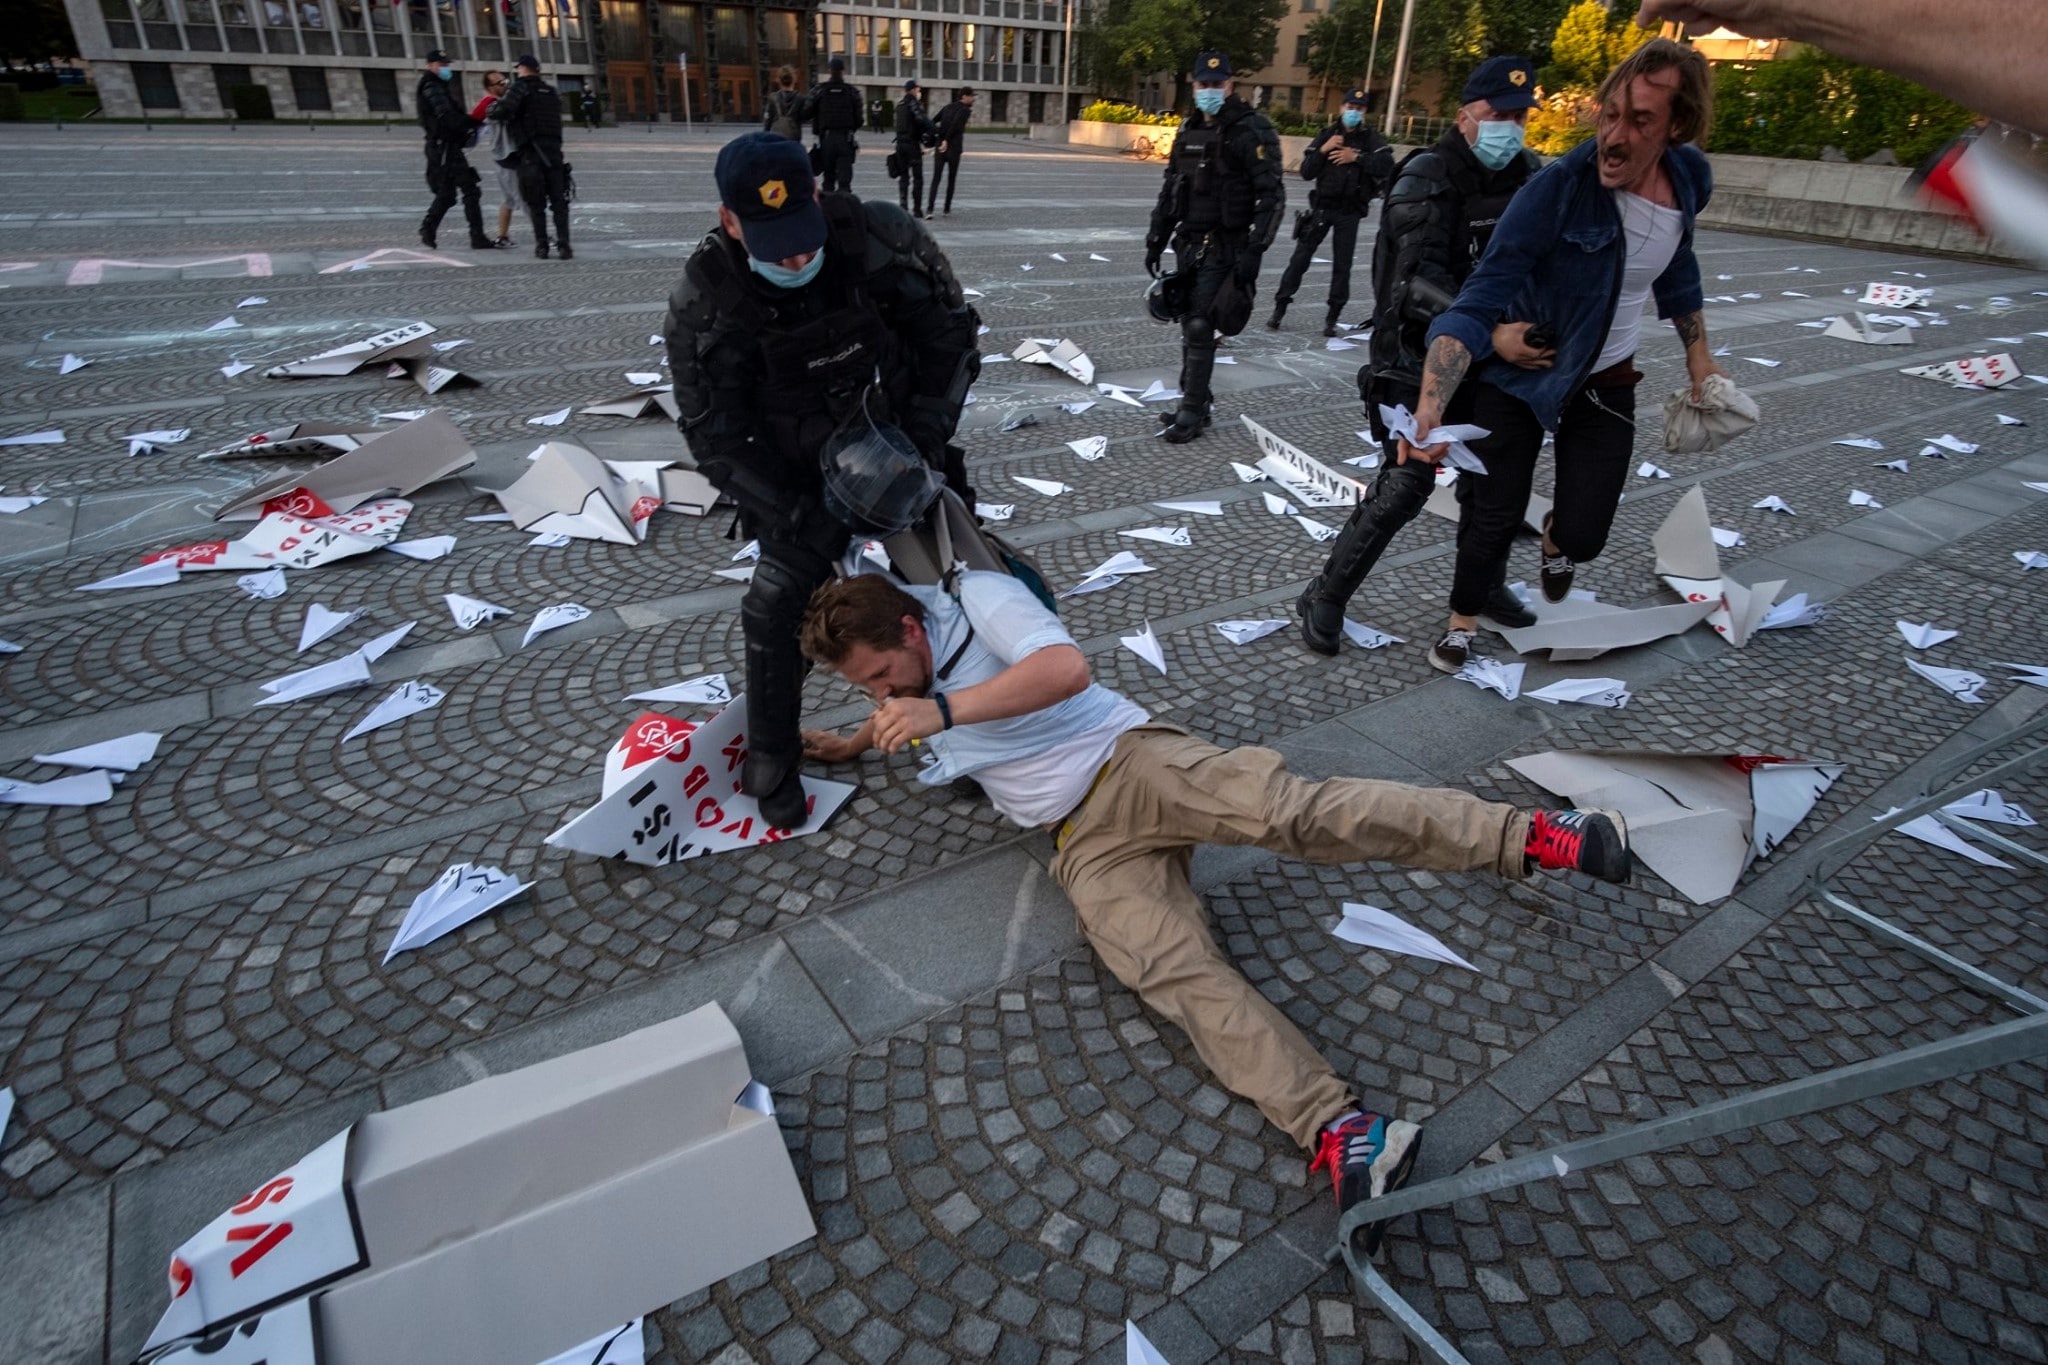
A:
(1440, 214)
(914, 132)
(833, 109)
(1219, 208)
(532, 112)
(449, 173)
(801, 322)
(1349, 164)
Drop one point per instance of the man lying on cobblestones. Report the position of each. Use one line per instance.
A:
(989, 684)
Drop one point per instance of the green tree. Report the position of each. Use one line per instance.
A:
(1127, 39)
(37, 31)
(1798, 105)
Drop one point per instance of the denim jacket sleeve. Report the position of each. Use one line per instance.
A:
(1677, 290)
(1527, 232)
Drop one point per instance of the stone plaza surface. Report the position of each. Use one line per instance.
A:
(1006, 1154)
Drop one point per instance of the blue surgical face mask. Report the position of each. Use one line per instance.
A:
(1209, 98)
(1353, 117)
(446, 73)
(783, 278)
(1498, 143)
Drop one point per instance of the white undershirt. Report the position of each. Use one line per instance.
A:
(1650, 235)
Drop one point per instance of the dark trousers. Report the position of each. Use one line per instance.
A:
(946, 165)
(910, 189)
(545, 188)
(1342, 229)
(1595, 442)
(449, 174)
(836, 151)
(770, 615)
(1213, 260)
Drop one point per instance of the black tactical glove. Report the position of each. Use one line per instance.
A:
(1154, 250)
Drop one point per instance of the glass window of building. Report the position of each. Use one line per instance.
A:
(733, 36)
(781, 44)
(380, 89)
(122, 30)
(906, 42)
(967, 43)
(154, 85)
(309, 89)
(625, 33)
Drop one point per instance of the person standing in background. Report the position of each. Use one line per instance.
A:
(1350, 164)
(532, 112)
(449, 173)
(952, 133)
(779, 113)
(833, 110)
(913, 135)
(500, 145)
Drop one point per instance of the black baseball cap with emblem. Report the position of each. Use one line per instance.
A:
(1360, 96)
(436, 57)
(1506, 83)
(1212, 68)
(765, 179)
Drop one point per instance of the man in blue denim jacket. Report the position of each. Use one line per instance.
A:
(1580, 251)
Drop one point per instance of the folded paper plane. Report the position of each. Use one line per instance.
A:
(1959, 683)
(1896, 466)
(2006, 421)
(1090, 447)
(1366, 637)
(152, 575)
(995, 511)
(1120, 394)
(350, 670)
(709, 690)
(549, 419)
(1689, 563)
(1277, 505)
(1988, 807)
(123, 755)
(654, 398)
(1316, 529)
(1934, 833)
(2031, 559)
(1647, 470)
(554, 618)
(1698, 820)
(1611, 692)
(1077, 408)
(426, 547)
(1051, 488)
(685, 801)
(263, 586)
(1164, 535)
(1064, 355)
(235, 367)
(571, 492)
(1793, 611)
(1157, 392)
(1197, 507)
(391, 464)
(1859, 498)
(399, 343)
(1313, 483)
(12, 505)
(1863, 328)
(1247, 474)
(407, 699)
(1146, 646)
(1368, 926)
(1924, 636)
(80, 789)
(459, 895)
(1953, 443)
(1244, 632)
(1401, 422)
(53, 437)
(1575, 629)
(322, 622)
(1860, 443)
(146, 442)
(1492, 675)
(471, 612)
(1774, 503)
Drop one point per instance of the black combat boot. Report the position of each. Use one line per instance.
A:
(1279, 313)
(773, 774)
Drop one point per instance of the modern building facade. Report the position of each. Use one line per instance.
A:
(1012, 52)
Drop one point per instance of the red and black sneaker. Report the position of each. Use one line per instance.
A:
(1367, 1155)
(1594, 842)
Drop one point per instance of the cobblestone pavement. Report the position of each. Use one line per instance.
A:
(1006, 1154)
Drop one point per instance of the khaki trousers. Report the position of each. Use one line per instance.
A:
(1124, 864)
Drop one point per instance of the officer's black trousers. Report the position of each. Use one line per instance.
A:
(947, 165)
(1342, 230)
(910, 189)
(770, 614)
(449, 174)
(546, 191)
(1212, 264)
(836, 151)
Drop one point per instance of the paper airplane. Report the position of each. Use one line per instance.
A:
(390, 464)
(403, 415)
(1988, 807)
(79, 789)
(2031, 559)
(1368, 926)
(146, 442)
(1860, 443)
(154, 575)
(1792, 294)
(995, 511)
(1051, 488)
(554, 618)
(1366, 637)
(1493, 675)
(549, 419)
(2006, 421)
(1859, 498)
(1138, 1350)
(709, 690)
(1401, 422)
(406, 342)
(1098, 256)
(1146, 646)
(1924, 636)
(1277, 505)
(70, 363)
(1117, 565)
(426, 547)
(1862, 328)
(1339, 344)
(10, 506)
(1897, 466)
(1316, 529)
(1725, 538)
(322, 622)
(1793, 611)
(1066, 356)
(1958, 682)
(1199, 508)
(225, 324)
(1646, 470)
(1027, 266)
(1120, 394)
(1931, 831)
(650, 400)
(1247, 474)
(1954, 443)
(1774, 503)
(253, 301)
(1164, 535)
(458, 896)
(1056, 256)
(1017, 421)
(471, 612)
(1077, 408)
(409, 698)
(1698, 820)
(9, 647)
(263, 586)
(124, 755)
(234, 368)
(1612, 692)
(1244, 632)
(350, 670)
(1759, 360)
(35, 438)
(688, 803)
(1970, 371)
(1157, 392)
(1090, 447)
(2035, 675)
(745, 575)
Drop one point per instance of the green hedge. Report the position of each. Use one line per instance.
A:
(1103, 111)
(10, 104)
(1796, 106)
(251, 102)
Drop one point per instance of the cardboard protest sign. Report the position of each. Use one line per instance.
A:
(1311, 481)
(394, 463)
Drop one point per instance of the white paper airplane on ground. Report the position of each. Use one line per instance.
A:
(458, 896)
(125, 754)
(1146, 646)
(1368, 926)
(408, 699)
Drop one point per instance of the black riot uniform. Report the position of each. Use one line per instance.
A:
(1343, 194)
(1439, 216)
(1219, 208)
(448, 127)
(764, 376)
(914, 133)
(532, 111)
(834, 110)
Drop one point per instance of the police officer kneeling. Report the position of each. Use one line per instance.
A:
(821, 353)
(1219, 208)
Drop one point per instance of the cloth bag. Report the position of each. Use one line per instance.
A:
(1723, 413)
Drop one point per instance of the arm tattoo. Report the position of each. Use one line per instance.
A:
(1691, 328)
(1444, 369)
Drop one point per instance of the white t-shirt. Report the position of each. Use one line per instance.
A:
(1035, 767)
(1650, 236)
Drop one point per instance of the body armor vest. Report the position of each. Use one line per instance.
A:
(838, 108)
(1215, 195)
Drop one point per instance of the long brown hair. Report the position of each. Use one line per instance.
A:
(1692, 101)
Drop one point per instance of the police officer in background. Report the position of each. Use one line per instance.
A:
(802, 318)
(914, 133)
(1349, 164)
(1219, 208)
(951, 125)
(1440, 214)
(448, 126)
(833, 109)
(532, 112)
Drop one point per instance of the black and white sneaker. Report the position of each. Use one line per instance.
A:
(1449, 654)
